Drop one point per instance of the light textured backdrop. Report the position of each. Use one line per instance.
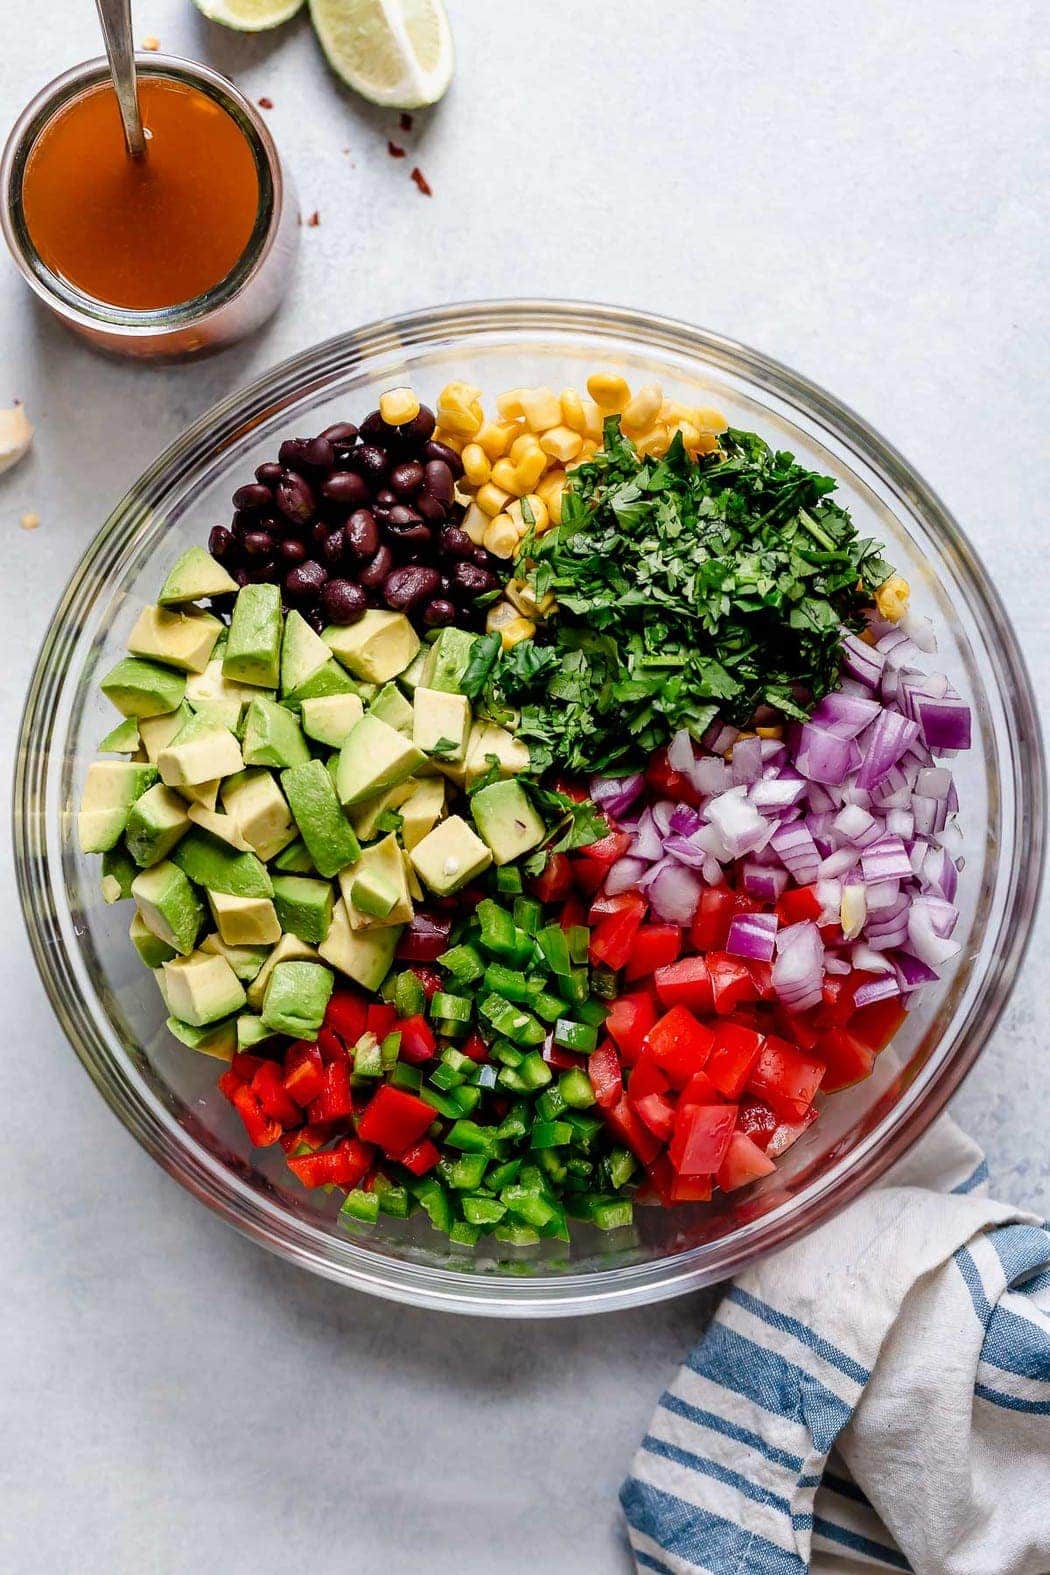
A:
(858, 189)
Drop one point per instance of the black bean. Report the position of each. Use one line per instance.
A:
(343, 601)
(268, 473)
(385, 498)
(421, 429)
(254, 496)
(471, 579)
(242, 522)
(403, 588)
(290, 453)
(341, 434)
(292, 551)
(375, 572)
(456, 543)
(438, 612)
(240, 575)
(333, 547)
(258, 544)
(401, 514)
(320, 532)
(346, 487)
(480, 557)
(294, 498)
(361, 533)
(439, 480)
(370, 461)
(448, 456)
(220, 541)
(373, 426)
(318, 454)
(446, 585)
(315, 618)
(432, 509)
(306, 581)
(410, 531)
(406, 478)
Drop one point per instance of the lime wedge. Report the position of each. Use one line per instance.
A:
(248, 16)
(395, 52)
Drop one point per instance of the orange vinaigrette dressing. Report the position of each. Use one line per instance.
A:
(142, 234)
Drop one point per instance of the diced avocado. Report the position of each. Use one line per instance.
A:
(487, 742)
(364, 817)
(199, 752)
(156, 821)
(123, 739)
(288, 949)
(295, 859)
(415, 890)
(304, 906)
(222, 826)
(110, 789)
(217, 867)
(201, 988)
(272, 736)
(450, 856)
(252, 1031)
(440, 723)
(363, 955)
(296, 997)
(150, 947)
(245, 921)
(506, 820)
(182, 638)
(168, 904)
(329, 718)
(206, 794)
(253, 647)
(214, 1039)
(372, 896)
(140, 688)
(412, 676)
(157, 732)
(331, 679)
(374, 757)
(257, 804)
(322, 825)
(246, 961)
(193, 577)
(212, 694)
(421, 812)
(379, 646)
(447, 660)
(303, 654)
(118, 871)
(381, 863)
(391, 706)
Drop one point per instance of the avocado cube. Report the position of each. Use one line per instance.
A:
(506, 820)
(214, 1039)
(157, 732)
(182, 638)
(421, 812)
(212, 694)
(272, 736)
(372, 896)
(384, 863)
(378, 647)
(304, 906)
(363, 955)
(218, 867)
(141, 688)
(252, 1031)
(375, 756)
(330, 679)
(486, 743)
(447, 660)
(195, 576)
(440, 723)
(118, 871)
(254, 801)
(390, 706)
(450, 856)
(168, 905)
(246, 961)
(323, 826)
(295, 859)
(303, 653)
(110, 789)
(288, 949)
(296, 997)
(412, 676)
(150, 947)
(123, 739)
(201, 988)
(364, 817)
(156, 821)
(199, 752)
(205, 794)
(253, 647)
(329, 718)
(222, 826)
(245, 921)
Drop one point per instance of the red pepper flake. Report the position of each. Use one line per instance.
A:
(421, 181)
(314, 220)
(266, 103)
(394, 151)
(405, 121)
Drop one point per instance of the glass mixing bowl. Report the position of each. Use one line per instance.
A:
(165, 1094)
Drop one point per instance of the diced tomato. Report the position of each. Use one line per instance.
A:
(268, 1088)
(733, 1053)
(679, 1045)
(343, 1166)
(666, 782)
(757, 1121)
(657, 1111)
(334, 1102)
(762, 978)
(574, 790)
(380, 1018)
(699, 1091)
(245, 1066)
(229, 1083)
(626, 1126)
(573, 913)
(731, 982)
(655, 945)
(555, 883)
(303, 1071)
(262, 1129)
(710, 928)
(686, 983)
(304, 1138)
(836, 1008)
(876, 1025)
(690, 1189)
(659, 1180)
(847, 1059)
(801, 1027)
(555, 1056)
(789, 1132)
(603, 1069)
(475, 1047)
(425, 938)
(331, 1045)
(785, 1078)
(429, 978)
(394, 1120)
(420, 1158)
(701, 1138)
(630, 1019)
(613, 937)
(591, 864)
(798, 903)
(646, 1077)
(744, 1162)
(346, 1013)
(418, 1043)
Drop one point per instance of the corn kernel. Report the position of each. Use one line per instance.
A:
(491, 498)
(499, 615)
(550, 490)
(709, 420)
(608, 391)
(513, 633)
(690, 436)
(454, 440)
(458, 396)
(530, 469)
(501, 538)
(541, 408)
(476, 465)
(475, 523)
(708, 443)
(496, 437)
(770, 732)
(398, 406)
(524, 598)
(464, 423)
(572, 411)
(561, 443)
(536, 506)
(527, 443)
(505, 475)
(641, 411)
(593, 421)
(892, 597)
(672, 412)
(510, 404)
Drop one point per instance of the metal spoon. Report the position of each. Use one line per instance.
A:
(115, 16)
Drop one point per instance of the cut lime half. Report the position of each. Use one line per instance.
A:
(394, 52)
(249, 16)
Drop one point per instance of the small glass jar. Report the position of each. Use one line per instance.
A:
(236, 306)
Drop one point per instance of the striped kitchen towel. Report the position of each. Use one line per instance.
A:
(876, 1396)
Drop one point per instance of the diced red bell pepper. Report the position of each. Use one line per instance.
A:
(343, 1166)
(268, 1088)
(646, 1077)
(420, 1158)
(789, 1132)
(245, 1066)
(303, 1072)
(380, 1018)
(699, 1091)
(847, 1059)
(733, 1054)
(715, 912)
(555, 883)
(418, 1043)
(701, 1138)
(876, 1025)
(731, 982)
(346, 1014)
(613, 936)
(262, 1129)
(573, 913)
(475, 1047)
(425, 938)
(757, 1121)
(394, 1120)
(334, 1102)
(666, 782)
(591, 864)
(603, 1069)
(744, 1162)
(305, 1138)
(655, 945)
(679, 1045)
(556, 1056)
(800, 902)
(630, 1019)
(429, 978)
(657, 1111)
(690, 1189)
(686, 983)
(229, 1083)
(331, 1045)
(785, 1078)
(623, 1122)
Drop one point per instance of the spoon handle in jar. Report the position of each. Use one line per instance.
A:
(115, 17)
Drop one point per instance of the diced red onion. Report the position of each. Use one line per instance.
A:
(934, 782)
(837, 864)
(764, 882)
(624, 875)
(680, 755)
(886, 859)
(945, 723)
(720, 738)
(857, 826)
(777, 793)
(923, 940)
(675, 894)
(823, 756)
(797, 851)
(866, 960)
(862, 661)
(883, 745)
(845, 715)
(799, 967)
(912, 972)
(686, 851)
(737, 822)
(617, 794)
(881, 989)
(710, 776)
(931, 814)
(685, 819)
(747, 761)
(882, 894)
(753, 936)
(900, 823)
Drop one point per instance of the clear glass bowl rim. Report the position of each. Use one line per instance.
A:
(351, 1263)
